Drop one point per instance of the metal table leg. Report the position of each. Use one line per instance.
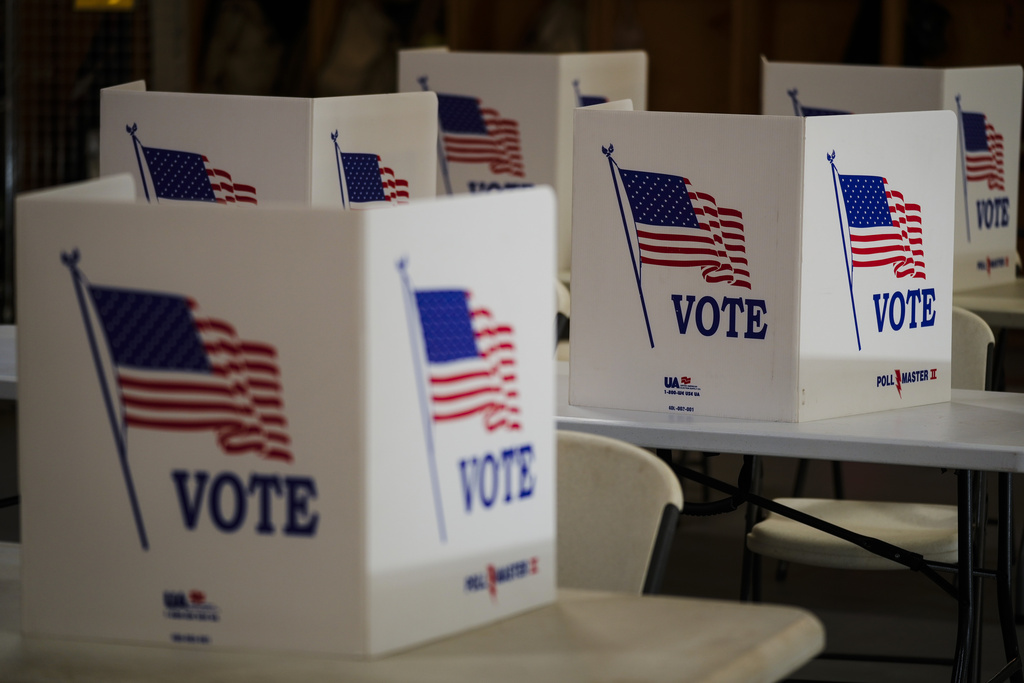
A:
(962, 669)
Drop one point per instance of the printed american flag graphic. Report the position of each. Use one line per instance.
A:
(885, 229)
(471, 360)
(802, 110)
(681, 227)
(368, 181)
(591, 100)
(189, 176)
(983, 151)
(178, 370)
(820, 111)
(473, 134)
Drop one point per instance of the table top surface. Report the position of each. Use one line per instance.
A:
(999, 305)
(583, 636)
(978, 430)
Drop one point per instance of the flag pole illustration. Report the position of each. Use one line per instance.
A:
(796, 102)
(176, 370)
(415, 334)
(576, 89)
(608, 151)
(136, 145)
(341, 172)
(440, 143)
(842, 235)
(963, 166)
(586, 100)
(801, 110)
(71, 261)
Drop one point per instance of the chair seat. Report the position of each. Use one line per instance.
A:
(930, 530)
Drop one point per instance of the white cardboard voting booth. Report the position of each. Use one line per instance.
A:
(351, 152)
(293, 428)
(987, 102)
(772, 268)
(506, 119)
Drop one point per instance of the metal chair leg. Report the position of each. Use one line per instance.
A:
(1007, 622)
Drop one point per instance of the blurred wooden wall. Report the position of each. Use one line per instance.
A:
(705, 54)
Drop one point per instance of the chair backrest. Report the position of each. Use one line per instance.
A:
(971, 356)
(618, 506)
(562, 298)
(562, 321)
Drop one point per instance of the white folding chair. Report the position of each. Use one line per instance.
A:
(618, 507)
(562, 323)
(929, 530)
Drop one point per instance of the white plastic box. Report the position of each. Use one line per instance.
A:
(289, 429)
(351, 152)
(506, 119)
(987, 102)
(714, 270)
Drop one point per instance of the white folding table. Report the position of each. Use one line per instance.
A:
(584, 636)
(976, 431)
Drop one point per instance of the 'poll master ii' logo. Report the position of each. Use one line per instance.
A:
(885, 231)
(465, 365)
(899, 378)
(493, 576)
(672, 224)
(177, 370)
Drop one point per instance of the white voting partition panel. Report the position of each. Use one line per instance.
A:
(506, 119)
(352, 152)
(763, 267)
(987, 102)
(292, 428)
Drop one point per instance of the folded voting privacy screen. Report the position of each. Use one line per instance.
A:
(987, 104)
(291, 428)
(351, 152)
(777, 268)
(505, 120)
